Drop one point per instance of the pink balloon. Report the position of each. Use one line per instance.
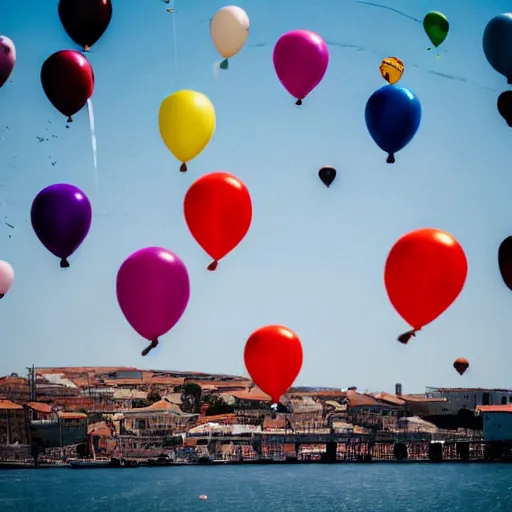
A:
(153, 289)
(7, 59)
(301, 58)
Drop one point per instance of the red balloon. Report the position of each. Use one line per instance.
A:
(68, 81)
(425, 272)
(273, 358)
(218, 212)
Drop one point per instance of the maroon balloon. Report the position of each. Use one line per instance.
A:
(505, 106)
(68, 81)
(61, 216)
(85, 21)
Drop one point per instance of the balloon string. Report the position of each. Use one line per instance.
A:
(216, 70)
(93, 141)
(150, 347)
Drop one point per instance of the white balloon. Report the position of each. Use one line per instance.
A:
(6, 277)
(229, 30)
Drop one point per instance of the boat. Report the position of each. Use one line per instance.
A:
(89, 463)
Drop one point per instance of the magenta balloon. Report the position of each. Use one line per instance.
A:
(7, 59)
(153, 289)
(301, 58)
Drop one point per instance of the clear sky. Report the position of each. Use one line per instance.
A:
(314, 257)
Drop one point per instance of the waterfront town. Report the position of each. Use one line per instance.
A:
(93, 416)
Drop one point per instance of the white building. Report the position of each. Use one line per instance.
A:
(466, 398)
(497, 420)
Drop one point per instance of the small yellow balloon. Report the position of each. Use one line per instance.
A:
(187, 123)
(391, 69)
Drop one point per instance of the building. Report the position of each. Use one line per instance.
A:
(160, 418)
(14, 388)
(60, 429)
(250, 400)
(458, 408)
(497, 421)
(13, 423)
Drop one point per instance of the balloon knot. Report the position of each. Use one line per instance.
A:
(2, 295)
(224, 64)
(406, 336)
(213, 265)
(298, 102)
(70, 120)
(64, 263)
(86, 48)
(183, 167)
(150, 347)
(390, 159)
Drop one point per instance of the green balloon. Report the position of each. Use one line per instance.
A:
(436, 26)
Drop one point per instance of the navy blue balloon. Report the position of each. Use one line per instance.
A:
(393, 116)
(497, 43)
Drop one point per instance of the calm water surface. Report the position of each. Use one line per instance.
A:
(354, 488)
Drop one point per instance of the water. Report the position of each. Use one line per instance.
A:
(322, 488)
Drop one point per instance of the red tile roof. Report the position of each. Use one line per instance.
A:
(226, 419)
(7, 405)
(101, 432)
(40, 407)
(255, 395)
(494, 408)
(327, 393)
(356, 399)
(389, 398)
(72, 415)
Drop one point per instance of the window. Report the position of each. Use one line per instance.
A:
(503, 400)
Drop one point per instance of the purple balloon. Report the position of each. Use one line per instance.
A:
(7, 59)
(153, 289)
(301, 58)
(61, 217)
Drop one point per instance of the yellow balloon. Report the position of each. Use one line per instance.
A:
(391, 69)
(187, 123)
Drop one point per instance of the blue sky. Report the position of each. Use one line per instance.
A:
(314, 257)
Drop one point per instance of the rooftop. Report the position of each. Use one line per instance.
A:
(7, 405)
(494, 408)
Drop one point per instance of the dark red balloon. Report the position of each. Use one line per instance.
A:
(461, 365)
(68, 81)
(505, 106)
(505, 261)
(85, 21)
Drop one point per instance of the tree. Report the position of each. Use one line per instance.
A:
(217, 406)
(191, 397)
(153, 396)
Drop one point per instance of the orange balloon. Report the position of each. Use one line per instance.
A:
(425, 272)
(273, 358)
(461, 365)
(218, 212)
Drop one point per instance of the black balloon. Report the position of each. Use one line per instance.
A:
(327, 175)
(505, 261)
(85, 21)
(505, 106)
